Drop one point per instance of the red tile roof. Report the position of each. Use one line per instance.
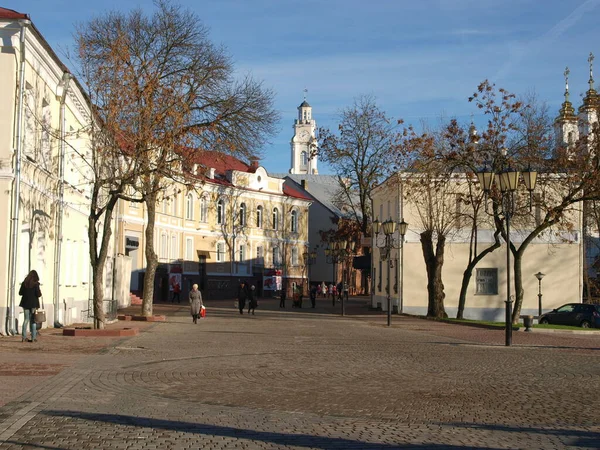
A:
(11, 14)
(221, 162)
(293, 192)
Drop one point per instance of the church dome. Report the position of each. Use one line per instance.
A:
(304, 104)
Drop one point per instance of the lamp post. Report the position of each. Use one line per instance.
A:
(309, 259)
(539, 276)
(336, 253)
(508, 181)
(388, 228)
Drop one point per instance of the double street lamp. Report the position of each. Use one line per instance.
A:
(386, 231)
(338, 251)
(508, 182)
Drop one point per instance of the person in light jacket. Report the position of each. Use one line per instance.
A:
(195, 302)
(30, 301)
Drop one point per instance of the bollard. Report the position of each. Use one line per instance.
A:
(528, 322)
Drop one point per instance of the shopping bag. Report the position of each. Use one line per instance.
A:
(203, 311)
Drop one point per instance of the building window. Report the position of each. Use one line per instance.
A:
(275, 218)
(486, 282)
(276, 261)
(260, 257)
(189, 207)
(163, 246)
(243, 215)
(174, 254)
(203, 210)
(164, 206)
(304, 159)
(294, 256)
(259, 216)
(220, 212)
(294, 221)
(189, 249)
(242, 253)
(174, 208)
(220, 252)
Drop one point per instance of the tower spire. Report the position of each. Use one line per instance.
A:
(591, 61)
(566, 73)
(305, 92)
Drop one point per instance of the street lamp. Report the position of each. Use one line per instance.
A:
(337, 252)
(539, 276)
(387, 229)
(309, 259)
(507, 181)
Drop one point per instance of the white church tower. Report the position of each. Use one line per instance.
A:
(304, 141)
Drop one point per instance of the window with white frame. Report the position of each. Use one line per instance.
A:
(259, 216)
(304, 159)
(164, 206)
(294, 221)
(174, 254)
(189, 207)
(486, 282)
(189, 249)
(242, 256)
(174, 205)
(294, 256)
(220, 252)
(203, 210)
(243, 215)
(275, 223)
(164, 245)
(276, 260)
(260, 257)
(220, 212)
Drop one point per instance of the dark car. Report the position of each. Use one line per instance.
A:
(574, 314)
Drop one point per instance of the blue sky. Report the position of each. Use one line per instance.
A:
(420, 59)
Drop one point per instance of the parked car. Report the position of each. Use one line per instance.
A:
(574, 314)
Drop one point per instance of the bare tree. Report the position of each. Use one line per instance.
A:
(359, 154)
(176, 91)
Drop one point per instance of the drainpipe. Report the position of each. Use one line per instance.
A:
(16, 198)
(61, 94)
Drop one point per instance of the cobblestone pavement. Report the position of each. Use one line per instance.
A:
(308, 379)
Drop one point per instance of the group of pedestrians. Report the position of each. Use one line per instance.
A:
(247, 293)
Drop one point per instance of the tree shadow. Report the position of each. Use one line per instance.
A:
(283, 439)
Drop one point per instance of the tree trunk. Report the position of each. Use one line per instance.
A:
(151, 257)
(519, 291)
(434, 261)
(98, 283)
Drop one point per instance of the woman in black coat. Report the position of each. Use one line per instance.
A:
(30, 301)
(252, 300)
(242, 296)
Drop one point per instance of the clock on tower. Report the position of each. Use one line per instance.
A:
(304, 135)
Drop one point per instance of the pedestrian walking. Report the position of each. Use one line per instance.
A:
(195, 299)
(282, 299)
(324, 289)
(339, 288)
(30, 301)
(252, 300)
(333, 294)
(176, 292)
(319, 290)
(242, 296)
(313, 296)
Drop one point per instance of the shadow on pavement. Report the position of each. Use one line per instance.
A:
(580, 438)
(299, 440)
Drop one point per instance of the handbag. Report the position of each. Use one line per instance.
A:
(40, 315)
(203, 311)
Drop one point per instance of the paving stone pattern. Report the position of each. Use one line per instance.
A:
(305, 379)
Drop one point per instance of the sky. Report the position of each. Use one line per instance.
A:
(421, 60)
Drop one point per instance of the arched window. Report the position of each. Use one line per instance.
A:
(275, 218)
(220, 212)
(189, 207)
(304, 158)
(259, 216)
(203, 209)
(243, 215)
(294, 221)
